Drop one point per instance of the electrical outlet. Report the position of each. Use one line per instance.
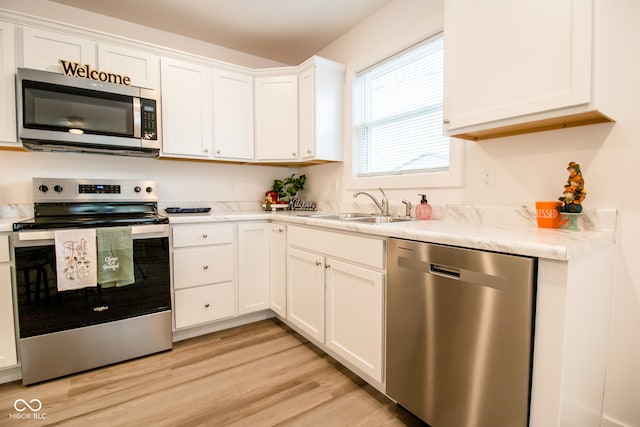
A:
(488, 177)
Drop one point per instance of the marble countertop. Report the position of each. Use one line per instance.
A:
(526, 240)
(530, 241)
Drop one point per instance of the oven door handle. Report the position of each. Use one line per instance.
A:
(50, 234)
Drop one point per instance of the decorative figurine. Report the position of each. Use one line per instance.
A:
(574, 192)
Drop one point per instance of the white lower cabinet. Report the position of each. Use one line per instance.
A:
(253, 267)
(335, 294)
(305, 291)
(204, 304)
(278, 269)
(204, 273)
(355, 319)
(7, 329)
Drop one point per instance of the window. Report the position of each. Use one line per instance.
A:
(398, 114)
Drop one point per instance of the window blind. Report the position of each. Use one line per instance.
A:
(398, 114)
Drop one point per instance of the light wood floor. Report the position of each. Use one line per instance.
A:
(262, 374)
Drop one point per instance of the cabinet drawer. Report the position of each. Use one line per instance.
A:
(4, 249)
(363, 250)
(203, 265)
(202, 234)
(204, 304)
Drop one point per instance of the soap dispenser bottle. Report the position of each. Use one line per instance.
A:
(423, 210)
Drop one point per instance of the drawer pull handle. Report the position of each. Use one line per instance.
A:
(205, 267)
(318, 263)
(204, 236)
(206, 305)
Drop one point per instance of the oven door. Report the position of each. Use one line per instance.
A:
(42, 309)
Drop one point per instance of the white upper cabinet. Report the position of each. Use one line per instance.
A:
(143, 68)
(320, 86)
(187, 108)
(518, 67)
(7, 85)
(42, 50)
(276, 117)
(232, 114)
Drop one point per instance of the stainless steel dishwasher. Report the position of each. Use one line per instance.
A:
(459, 334)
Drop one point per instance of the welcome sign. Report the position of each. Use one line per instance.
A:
(75, 69)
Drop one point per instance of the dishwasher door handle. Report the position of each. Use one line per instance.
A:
(443, 270)
(454, 273)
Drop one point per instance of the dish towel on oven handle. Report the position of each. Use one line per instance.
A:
(76, 258)
(115, 256)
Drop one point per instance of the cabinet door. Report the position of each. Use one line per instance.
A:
(7, 330)
(42, 50)
(142, 67)
(187, 108)
(7, 85)
(355, 315)
(276, 118)
(320, 99)
(233, 115)
(510, 67)
(278, 269)
(305, 292)
(307, 113)
(253, 267)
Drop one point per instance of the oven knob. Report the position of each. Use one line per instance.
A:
(43, 188)
(57, 188)
(149, 189)
(137, 189)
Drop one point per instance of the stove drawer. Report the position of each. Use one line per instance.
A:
(203, 266)
(202, 234)
(204, 304)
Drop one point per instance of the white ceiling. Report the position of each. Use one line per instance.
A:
(286, 31)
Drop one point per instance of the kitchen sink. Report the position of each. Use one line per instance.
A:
(361, 217)
(380, 219)
(340, 216)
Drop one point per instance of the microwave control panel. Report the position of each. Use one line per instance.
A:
(149, 119)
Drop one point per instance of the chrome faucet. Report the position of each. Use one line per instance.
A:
(407, 207)
(383, 205)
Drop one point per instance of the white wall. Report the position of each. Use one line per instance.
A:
(533, 167)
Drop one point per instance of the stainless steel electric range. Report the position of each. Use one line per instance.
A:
(66, 331)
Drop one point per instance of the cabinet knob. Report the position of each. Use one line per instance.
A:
(327, 266)
(445, 121)
(205, 267)
(206, 305)
(293, 154)
(217, 151)
(308, 151)
(206, 150)
(205, 235)
(280, 230)
(318, 263)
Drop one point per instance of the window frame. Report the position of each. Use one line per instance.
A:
(453, 177)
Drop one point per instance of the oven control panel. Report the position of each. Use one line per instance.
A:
(77, 190)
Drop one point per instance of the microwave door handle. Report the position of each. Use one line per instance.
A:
(137, 119)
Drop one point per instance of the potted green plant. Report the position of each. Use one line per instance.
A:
(290, 186)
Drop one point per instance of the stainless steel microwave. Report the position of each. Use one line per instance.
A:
(56, 112)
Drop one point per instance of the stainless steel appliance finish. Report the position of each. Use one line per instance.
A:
(459, 334)
(63, 332)
(62, 113)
